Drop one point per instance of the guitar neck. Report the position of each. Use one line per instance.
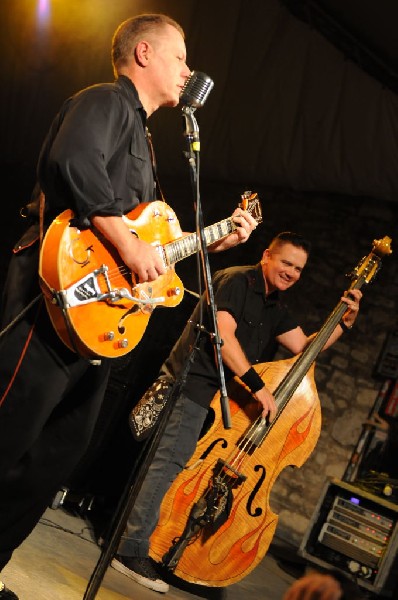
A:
(189, 244)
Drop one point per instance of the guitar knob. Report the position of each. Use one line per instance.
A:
(174, 291)
(109, 336)
(123, 343)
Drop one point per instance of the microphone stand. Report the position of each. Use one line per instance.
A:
(134, 483)
(193, 149)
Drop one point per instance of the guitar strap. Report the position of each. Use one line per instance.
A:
(158, 189)
(42, 203)
(45, 287)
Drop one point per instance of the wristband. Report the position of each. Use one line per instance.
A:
(253, 380)
(344, 327)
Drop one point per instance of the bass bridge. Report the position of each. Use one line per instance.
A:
(209, 512)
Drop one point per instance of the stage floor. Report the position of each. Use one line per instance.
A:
(58, 558)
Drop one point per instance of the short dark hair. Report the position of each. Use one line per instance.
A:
(132, 31)
(289, 237)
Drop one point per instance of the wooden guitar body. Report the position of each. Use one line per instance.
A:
(82, 266)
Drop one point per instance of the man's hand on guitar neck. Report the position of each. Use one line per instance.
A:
(245, 224)
(149, 264)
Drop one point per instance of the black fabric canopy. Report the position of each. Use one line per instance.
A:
(305, 94)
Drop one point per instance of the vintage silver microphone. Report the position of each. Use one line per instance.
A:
(193, 95)
(196, 90)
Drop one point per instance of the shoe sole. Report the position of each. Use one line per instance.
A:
(152, 584)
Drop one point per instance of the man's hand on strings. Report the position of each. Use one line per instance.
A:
(352, 298)
(244, 223)
(144, 260)
(267, 400)
(140, 257)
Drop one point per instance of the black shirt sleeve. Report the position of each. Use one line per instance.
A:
(76, 159)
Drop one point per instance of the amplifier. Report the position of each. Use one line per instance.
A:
(365, 551)
(371, 519)
(355, 532)
(350, 522)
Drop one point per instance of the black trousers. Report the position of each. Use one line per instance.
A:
(49, 402)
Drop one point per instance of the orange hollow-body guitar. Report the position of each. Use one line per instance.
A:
(94, 301)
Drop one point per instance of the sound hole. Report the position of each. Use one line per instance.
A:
(256, 512)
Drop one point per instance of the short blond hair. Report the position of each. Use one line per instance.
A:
(132, 31)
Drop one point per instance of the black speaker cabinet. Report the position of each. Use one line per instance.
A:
(357, 533)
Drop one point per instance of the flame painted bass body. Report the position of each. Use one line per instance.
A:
(216, 523)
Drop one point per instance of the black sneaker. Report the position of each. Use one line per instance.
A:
(141, 570)
(6, 594)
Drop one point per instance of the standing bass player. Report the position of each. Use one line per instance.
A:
(251, 319)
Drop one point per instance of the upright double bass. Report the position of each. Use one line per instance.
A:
(215, 523)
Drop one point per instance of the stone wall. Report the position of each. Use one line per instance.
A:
(342, 231)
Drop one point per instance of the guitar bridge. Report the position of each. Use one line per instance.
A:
(84, 291)
(88, 290)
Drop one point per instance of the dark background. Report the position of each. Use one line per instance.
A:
(304, 96)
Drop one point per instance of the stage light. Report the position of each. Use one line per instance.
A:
(43, 12)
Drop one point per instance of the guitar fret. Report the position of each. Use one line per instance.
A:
(225, 229)
(210, 238)
(180, 249)
(188, 245)
(170, 254)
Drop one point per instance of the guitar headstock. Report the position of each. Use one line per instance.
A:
(382, 247)
(251, 202)
(370, 265)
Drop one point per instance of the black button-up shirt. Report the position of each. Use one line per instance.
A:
(260, 319)
(95, 159)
